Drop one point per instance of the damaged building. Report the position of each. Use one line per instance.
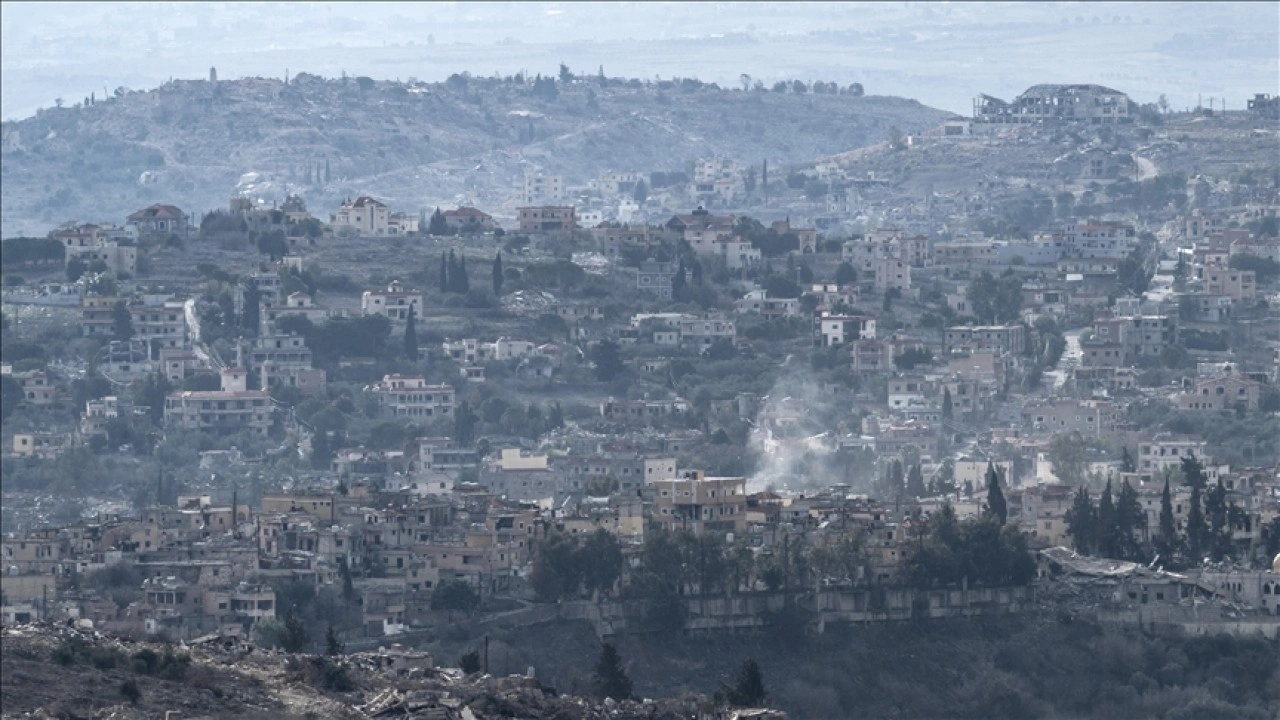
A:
(1091, 104)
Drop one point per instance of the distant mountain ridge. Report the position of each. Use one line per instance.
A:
(417, 145)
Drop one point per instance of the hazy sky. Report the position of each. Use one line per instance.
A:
(942, 54)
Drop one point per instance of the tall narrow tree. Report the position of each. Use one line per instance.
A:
(411, 334)
(444, 273)
(497, 274)
(678, 283)
(995, 496)
(1196, 530)
(1080, 520)
(1108, 537)
(946, 404)
(1166, 541)
(915, 481)
(463, 284)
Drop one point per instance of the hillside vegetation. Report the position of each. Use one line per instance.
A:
(415, 144)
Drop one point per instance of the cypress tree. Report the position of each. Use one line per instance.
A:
(463, 283)
(610, 679)
(1080, 521)
(915, 481)
(411, 334)
(1108, 537)
(946, 404)
(678, 283)
(444, 273)
(497, 274)
(1219, 530)
(1167, 538)
(1196, 530)
(995, 496)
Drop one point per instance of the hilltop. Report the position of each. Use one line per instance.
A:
(189, 142)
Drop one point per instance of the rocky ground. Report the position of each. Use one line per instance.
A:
(54, 671)
(415, 145)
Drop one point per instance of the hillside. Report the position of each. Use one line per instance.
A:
(51, 671)
(415, 144)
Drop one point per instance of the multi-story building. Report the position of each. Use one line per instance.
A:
(547, 218)
(363, 216)
(42, 445)
(628, 468)
(469, 220)
(987, 338)
(699, 503)
(161, 325)
(228, 410)
(393, 303)
(759, 303)
(1239, 285)
(1167, 450)
(1058, 415)
(286, 360)
(159, 220)
(542, 188)
(410, 396)
(836, 330)
(1220, 393)
(1086, 104)
(118, 259)
(298, 304)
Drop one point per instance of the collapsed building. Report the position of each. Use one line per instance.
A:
(1091, 104)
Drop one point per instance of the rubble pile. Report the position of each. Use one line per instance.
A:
(236, 679)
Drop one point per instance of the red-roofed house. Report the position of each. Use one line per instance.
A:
(469, 219)
(159, 220)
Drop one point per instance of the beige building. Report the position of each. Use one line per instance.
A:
(410, 396)
(1223, 393)
(393, 303)
(547, 218)
(1235, 284)
(42, 445)
(363, 216)
(701, 504)
(229, 410)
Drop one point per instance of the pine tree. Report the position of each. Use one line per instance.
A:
(748, 690)
(463, 283)
(497, 274)
(1167, 538)
(1196, 530)
(610, 679)
(915, 481)
(1130, 519)
(1192, 472)
(1219, 528)
(464, 425)
(1126, 462)
(332, 645)
(1108, 540)
(946, 404)
(678, 283)
(437, 226)
(321, 450)
(1080, 520)
(294, 637)
(995, 496)
(452, 285)
(411, 334)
